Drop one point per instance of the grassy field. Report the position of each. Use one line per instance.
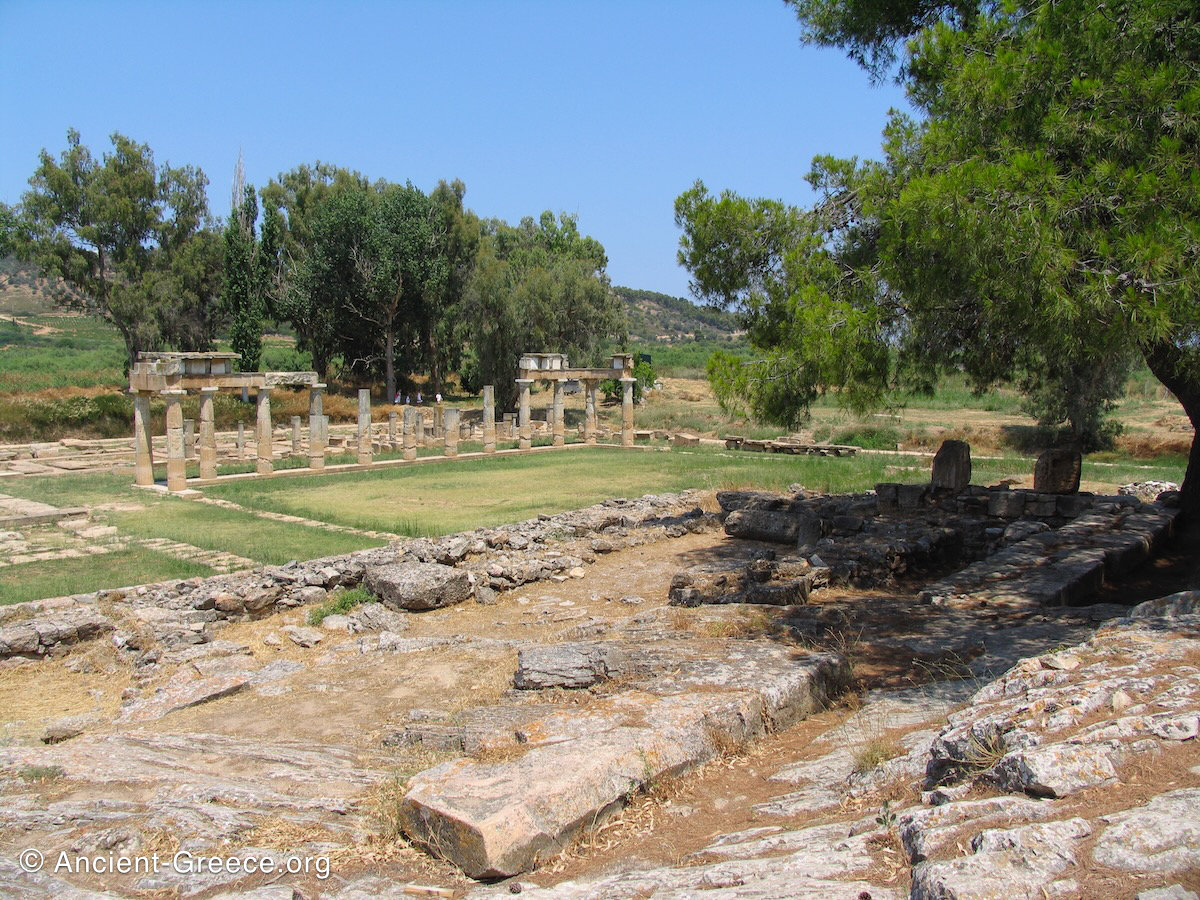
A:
(437, 499)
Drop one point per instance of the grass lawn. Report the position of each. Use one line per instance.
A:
(57, 578)
(443, 498)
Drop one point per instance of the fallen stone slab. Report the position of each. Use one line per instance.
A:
(571, 665)
(181, 694)
(495, 820)
(418, 586)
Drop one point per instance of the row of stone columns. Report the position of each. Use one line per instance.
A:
(446, 422)
(558, 418)
(178, 444)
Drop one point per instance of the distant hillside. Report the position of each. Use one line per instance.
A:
(659, 318)
(22, 292)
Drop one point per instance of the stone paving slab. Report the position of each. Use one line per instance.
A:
(498, 819)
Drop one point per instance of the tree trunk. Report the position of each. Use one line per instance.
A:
(1179, 370)
(389, 365)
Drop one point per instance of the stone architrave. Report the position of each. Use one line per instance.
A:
(1057, 471)
(364, 427)
(627, 411)
(208, 434)
(295, 435)
(560, 414)
(318, 427)
(952, 467)
(176, 464)
(189, 438)
(412, 421)
(392, 443)
(451, 431)
(525, 429)
(143, 440)
(265, 466)
(489, 418)
(241, 440)
(589, 411)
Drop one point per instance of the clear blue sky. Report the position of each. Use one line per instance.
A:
(607, 110)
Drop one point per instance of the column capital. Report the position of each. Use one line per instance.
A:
(319, 386)
(172, 393)
(209, 390)
(524, 381)
(628, 380)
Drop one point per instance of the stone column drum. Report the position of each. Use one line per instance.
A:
(208, 433)
(263, 437)
(412, 421)
(450, 425)
(560, 417)
(489, 418)
(176, 465)
(627, 412)
(589, 411)
(318, 427)
(143, 440)
(364, 427)
(525, 439)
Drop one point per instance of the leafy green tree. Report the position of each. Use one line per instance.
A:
(537, 287)
(1044, 207)
(127, 239)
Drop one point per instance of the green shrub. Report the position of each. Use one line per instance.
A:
(340, 604)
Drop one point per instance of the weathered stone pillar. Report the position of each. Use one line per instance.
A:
(189, 438)
(412, 421)
(263, 436)
(951, 467)
(450, 424)
(439, 421)
(241, 440)
(589, 411)
(295, 435)
(208, 433)
(560, 413)
(525, 431)
(318, 427)
(176, 466)
(143, 441)
(489, 418)
(627, 411)
(392, 443)
(364, 427)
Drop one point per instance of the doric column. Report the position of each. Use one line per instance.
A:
(412, 421)
(392, 443)
(295, 435)
(560, 413)
(525, 440)
(143, 440)
(317, 427)
(241, 440)
(263, 436)
(189, 438)
(176, 465)
(364, 427)
(589, 411)
(450, 424)
(208, 433)
(627, 411)
(439, 421)
(489, 418)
